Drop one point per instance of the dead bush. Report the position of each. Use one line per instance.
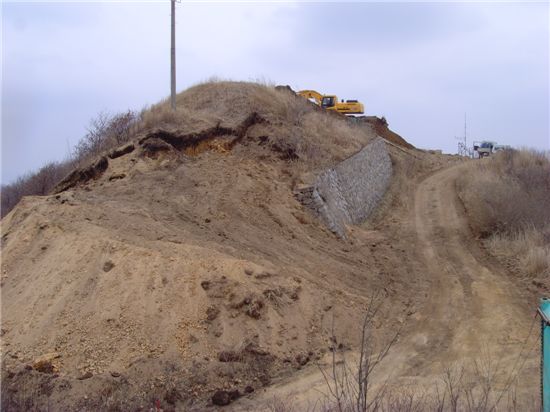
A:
(480, 384)
(105, 132)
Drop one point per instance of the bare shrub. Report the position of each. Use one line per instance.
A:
(105, 132)
(481, 384)
(350, 383)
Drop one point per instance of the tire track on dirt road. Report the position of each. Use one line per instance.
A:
(473, 312)
(471, 299)
(472, 308)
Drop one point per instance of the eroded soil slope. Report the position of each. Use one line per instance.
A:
(167, 271)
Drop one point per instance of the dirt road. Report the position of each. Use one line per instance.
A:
(473, 308)
(472, 311)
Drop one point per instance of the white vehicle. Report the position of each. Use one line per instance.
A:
(484, 148)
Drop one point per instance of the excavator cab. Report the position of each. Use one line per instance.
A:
(328, 101)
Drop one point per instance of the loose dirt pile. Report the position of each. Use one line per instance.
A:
(180, 265)
(380, 127)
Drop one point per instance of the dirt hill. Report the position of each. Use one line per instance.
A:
(184, 252)
(179, 270)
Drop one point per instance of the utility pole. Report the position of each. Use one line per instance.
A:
(173, 56)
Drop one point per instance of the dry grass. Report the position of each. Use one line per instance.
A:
(507, 200)
(317, 137)
(528, 249)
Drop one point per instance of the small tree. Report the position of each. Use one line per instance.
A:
(104, 132)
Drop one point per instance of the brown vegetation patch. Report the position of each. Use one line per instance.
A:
(506, 199)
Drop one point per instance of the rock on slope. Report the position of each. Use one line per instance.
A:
(181, 264)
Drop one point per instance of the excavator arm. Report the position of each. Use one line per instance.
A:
(312, 94)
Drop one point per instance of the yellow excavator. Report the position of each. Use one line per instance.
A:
(330, 102)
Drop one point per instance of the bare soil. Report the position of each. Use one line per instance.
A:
(169, 277)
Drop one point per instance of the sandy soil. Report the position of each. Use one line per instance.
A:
(202, 270)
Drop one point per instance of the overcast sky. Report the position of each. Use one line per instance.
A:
(421, 65)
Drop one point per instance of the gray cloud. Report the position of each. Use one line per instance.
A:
(382, 26)
(421, 65)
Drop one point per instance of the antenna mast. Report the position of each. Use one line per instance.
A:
(463, 149)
